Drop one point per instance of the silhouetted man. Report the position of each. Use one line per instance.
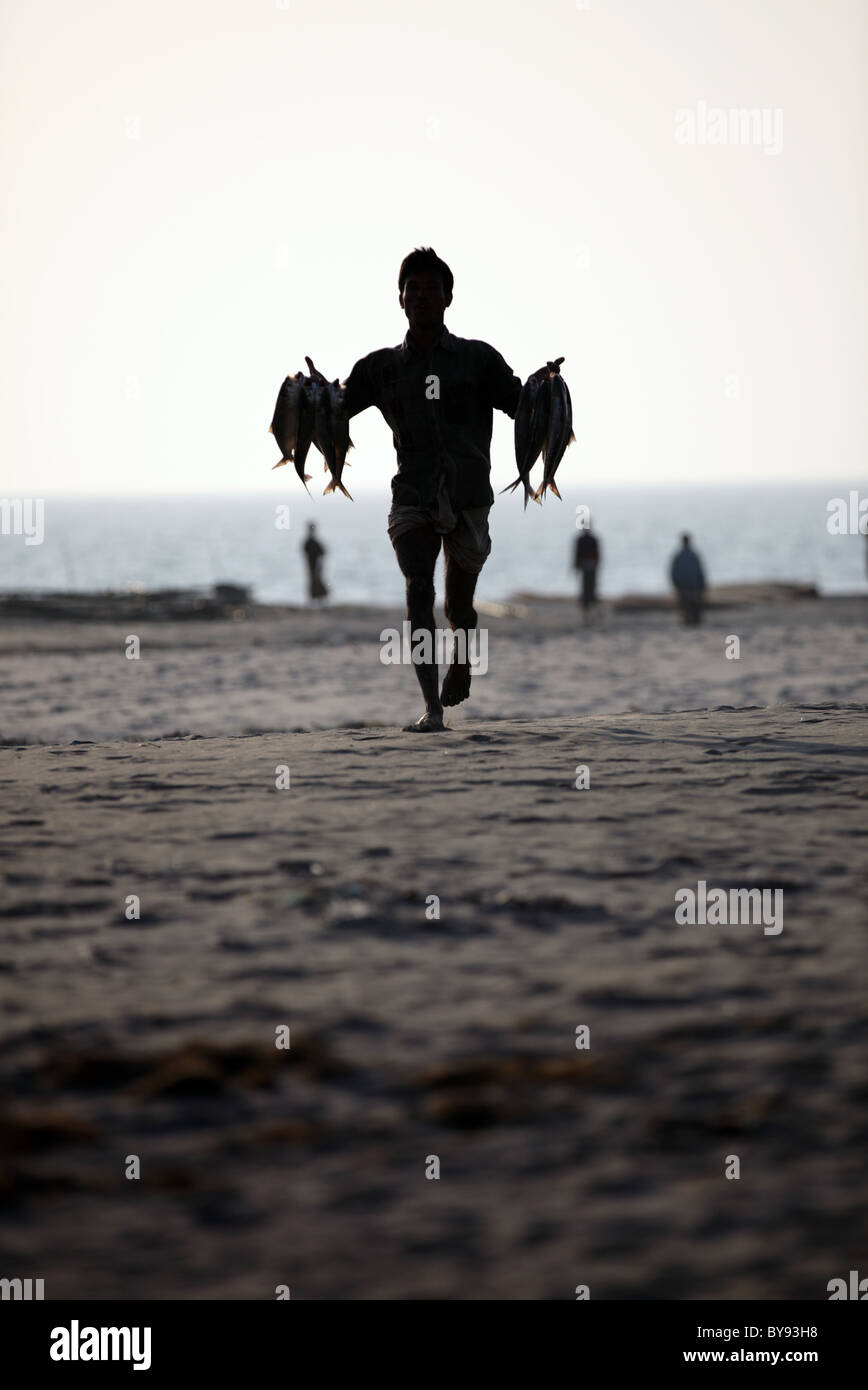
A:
(437, 393)
(688, 577)
(586, 561)
(314, 553)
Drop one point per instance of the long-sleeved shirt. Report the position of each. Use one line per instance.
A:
(440, 427)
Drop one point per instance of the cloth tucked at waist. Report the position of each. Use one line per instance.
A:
(465, 534)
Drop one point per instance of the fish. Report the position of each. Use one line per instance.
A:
(306, 424)
(341, 434)
(284, 425)
(540, 422)
(312, 410)
(523, 435)
(559, 433)
(531, 425)
(333, 429)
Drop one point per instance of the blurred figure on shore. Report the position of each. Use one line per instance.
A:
(586, 561)
(313, 554)
(688, 578)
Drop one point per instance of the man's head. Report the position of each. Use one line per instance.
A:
(424, 287)
(685, 539)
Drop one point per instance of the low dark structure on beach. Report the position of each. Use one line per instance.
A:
(157, 605)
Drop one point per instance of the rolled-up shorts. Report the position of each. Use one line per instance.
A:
(466, 538)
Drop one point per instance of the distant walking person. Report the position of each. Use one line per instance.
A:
(688, 577)
(586, 563)
(313, 553)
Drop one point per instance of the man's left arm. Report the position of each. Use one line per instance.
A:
(503, 386)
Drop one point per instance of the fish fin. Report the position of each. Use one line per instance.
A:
(280, 465)
(572, 438)
(270, 430)
(333, 485)
(349, 444)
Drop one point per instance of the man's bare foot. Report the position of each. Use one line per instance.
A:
(430, 723)
(456, 684)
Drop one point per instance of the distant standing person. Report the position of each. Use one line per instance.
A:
(313, 553)
(586, 562)
(688, 577)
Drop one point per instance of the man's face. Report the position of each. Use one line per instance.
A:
(424, 300)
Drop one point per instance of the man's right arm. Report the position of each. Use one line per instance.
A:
(361, 390)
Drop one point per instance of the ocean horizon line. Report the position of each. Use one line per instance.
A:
(703, 485)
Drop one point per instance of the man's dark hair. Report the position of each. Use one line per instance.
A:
(423, 259)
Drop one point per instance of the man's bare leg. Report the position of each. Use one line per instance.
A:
(461, 616)
(417, 552)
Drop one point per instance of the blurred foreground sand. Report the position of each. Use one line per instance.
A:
(453, 1036)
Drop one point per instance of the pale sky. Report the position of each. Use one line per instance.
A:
(196, 195)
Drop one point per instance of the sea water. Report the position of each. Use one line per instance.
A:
(744, 534)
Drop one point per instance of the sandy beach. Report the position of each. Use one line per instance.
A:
(270, 669)
(433, 919)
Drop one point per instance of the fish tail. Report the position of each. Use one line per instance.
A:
(344, 491)
(511, 487)
(554, 487)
